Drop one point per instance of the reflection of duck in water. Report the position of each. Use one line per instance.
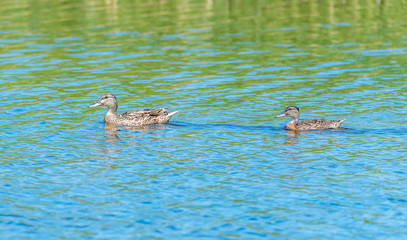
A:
(309, 124)
(131, 118)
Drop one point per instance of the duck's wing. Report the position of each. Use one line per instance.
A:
(143, 113)
(145, 117)
(309, 124)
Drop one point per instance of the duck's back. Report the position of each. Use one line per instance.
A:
(312, 124)
(145, 117)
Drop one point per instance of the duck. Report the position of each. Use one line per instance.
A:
(309, 124)
(137, 117)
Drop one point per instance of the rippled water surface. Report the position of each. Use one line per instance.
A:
(224, 168)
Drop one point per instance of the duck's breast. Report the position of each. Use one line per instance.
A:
(111, 118)
(291, 126)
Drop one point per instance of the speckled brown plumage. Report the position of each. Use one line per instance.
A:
(309, 124)
(137, 117)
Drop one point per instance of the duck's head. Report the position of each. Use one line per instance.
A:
(108, 100)
(292, 111)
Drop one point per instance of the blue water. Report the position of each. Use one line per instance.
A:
(224, 167)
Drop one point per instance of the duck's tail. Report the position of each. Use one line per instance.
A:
(341, 121)
(172, 113)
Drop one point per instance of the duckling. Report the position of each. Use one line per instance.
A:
(309, 124)
(131, 118)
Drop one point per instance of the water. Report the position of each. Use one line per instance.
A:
(224, 168)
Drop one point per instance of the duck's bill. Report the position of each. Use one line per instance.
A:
(96, 104)
(280, 115)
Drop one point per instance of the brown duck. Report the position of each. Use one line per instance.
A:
(309, 124)
(137, 117)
